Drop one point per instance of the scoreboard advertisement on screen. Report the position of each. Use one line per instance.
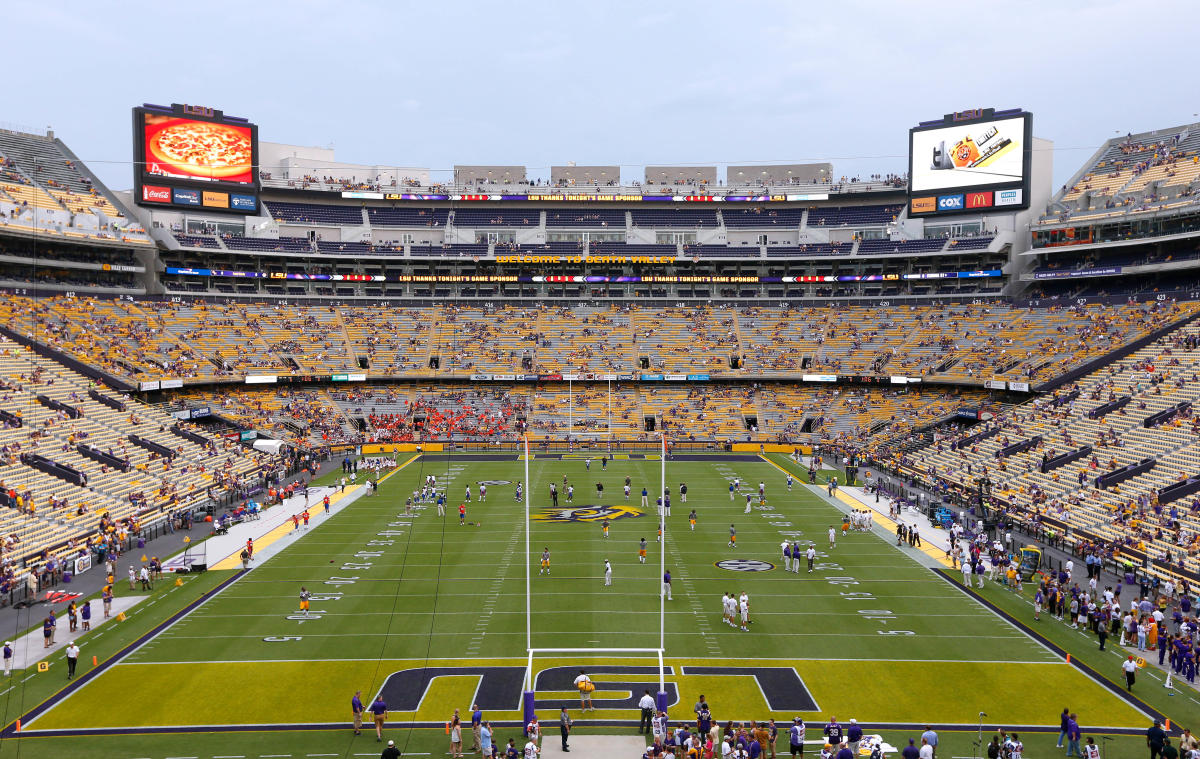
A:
(970, 162)
(195, 158)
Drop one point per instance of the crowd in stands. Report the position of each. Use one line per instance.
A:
(205, 340)
(1103, 454)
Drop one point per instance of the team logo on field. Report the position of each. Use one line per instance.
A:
(495, 483)
(745, 565)
(586, 514)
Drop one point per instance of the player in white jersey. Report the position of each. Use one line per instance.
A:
(785, 551)
(607, 573)
(789, 483)
(832, 537)
(482, 492)
(737, 484)
(762, 489)
(626, 492)
(748, 497)
(570, 493)
(744, 610)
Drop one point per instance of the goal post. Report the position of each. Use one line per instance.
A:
(529, 700)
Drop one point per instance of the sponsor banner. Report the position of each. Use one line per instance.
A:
(412, 196)
(546, 377)
(185, 414)
(1020, 387)
(923, 205)
(572, 377)
(122, 267)
(818, 377)
(608, 377)
(156, 194)
(243, 202)
(83, 564)
(201, 412)
(504, 377)
(697, 378)
(186, 197)
(261, 379)
(651, 378)
(215, 199)
(348, 378)
(359, 195)
(481, 377)
(675, 377)
(170, 384)
(899, 380)
(950, 202)
(626, 377)
(248, 435)
(1100, 271)
(995, 384)
(979, 199)
(151, 385)
(1009, 197)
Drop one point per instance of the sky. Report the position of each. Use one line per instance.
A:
(434, 84)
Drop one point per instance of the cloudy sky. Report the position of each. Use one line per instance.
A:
(630, 83)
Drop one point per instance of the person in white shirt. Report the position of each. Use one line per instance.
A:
(926, 750)
(786, 553)
(646, 704)
(811, 555)
(531, 750)
(832, 537)
(726, 749)
(607, 573)
(585, 695)
(744, 608)
(659, 727)
(534, 731)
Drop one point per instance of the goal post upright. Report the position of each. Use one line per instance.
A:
(662, 570)
(527, 700)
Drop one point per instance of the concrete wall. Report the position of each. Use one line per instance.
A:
(778, 174)
(689, 174)
(466, 174)
(583, 176)
(295, 161)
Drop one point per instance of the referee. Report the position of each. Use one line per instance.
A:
(647, 705)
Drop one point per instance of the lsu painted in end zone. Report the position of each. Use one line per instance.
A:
(422, 691)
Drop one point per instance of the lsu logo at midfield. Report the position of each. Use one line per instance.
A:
(586, 514)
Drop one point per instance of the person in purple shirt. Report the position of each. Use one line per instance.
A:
(910, 751)
(1073, 736)
(833, 732)
(854, 735)
(755, 750)
(845, 753)
(379, 710)
(356, 706)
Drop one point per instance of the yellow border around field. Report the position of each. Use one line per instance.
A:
(936, 554)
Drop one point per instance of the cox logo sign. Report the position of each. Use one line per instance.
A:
(949, 202)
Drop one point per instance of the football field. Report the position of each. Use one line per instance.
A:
(433, 614)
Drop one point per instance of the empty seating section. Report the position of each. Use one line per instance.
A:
(905, 247)
(585, 218)
(496, 217)
(970, 243)
(268, 245)
(151, 488)
(328, 246)
(849, 414)
(1156, 377)
(203, 340)
(826, 216)
(28, 195)
(441, 251)
(197, 241)
(672, 217)
(691, 340)
(471, 340)
(763, 218)
(407, 217)
(313, 213)
(585, 339)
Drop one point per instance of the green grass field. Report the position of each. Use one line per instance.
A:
(872, 634)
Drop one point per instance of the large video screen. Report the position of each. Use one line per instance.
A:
(978, 154)
(192, 156)
(190, 149)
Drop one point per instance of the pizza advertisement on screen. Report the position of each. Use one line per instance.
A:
(186, 148)
(971, 154)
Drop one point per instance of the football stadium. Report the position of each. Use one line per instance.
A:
(318, 457)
